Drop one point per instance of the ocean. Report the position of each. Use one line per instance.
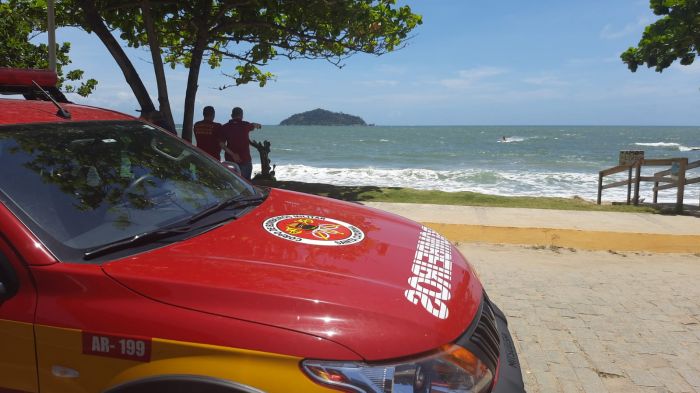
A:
(553, 161)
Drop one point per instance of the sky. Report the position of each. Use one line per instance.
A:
(507, 62)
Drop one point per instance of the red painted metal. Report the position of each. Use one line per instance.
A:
(21, 306)
(353, 295)
(332, 302)
(23, 111)
(22, 240)
(242, 287)
(83, 297)
(25, 77)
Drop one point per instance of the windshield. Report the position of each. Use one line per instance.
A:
(82, 185)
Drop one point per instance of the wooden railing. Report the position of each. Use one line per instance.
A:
(612, 171)
(659, 178)
(679, 167)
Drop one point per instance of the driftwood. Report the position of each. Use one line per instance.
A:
(267, 172)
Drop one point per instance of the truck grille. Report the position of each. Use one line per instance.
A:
(482, 337)
(485, 336)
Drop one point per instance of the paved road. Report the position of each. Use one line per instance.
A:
(598, 321)
(582, 230)
(590, 221)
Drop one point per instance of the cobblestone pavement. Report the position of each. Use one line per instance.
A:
(597, 322)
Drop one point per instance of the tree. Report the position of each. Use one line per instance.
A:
(20, 23)
(676, 36)
(86, 15)
(250, 32)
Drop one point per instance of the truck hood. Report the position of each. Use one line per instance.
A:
(378, 284)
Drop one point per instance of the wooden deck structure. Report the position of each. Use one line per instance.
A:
(674, 177)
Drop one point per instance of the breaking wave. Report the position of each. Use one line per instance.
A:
(657, 144)
(508, 183)
(668, 144)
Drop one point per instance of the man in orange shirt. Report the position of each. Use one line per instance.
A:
(235, 141)
(206, 132)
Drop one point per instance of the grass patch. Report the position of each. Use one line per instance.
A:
(409, 195)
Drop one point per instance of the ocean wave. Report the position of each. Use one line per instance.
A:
(657, 144)
(673, 145)
(487, 181)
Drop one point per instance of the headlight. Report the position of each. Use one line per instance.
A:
(453, 369)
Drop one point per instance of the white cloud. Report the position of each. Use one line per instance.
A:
(392, 69)
(467, 78)
(591, 61)
(398, 99)
(115, 97)
(609, 32)
(546, 80)
(380, 83)
(519, 95)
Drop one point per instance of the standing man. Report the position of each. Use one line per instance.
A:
(206, 133)
(234, 139)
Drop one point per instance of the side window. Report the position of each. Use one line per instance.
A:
(8, 279)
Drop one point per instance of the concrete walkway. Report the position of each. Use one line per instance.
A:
(556, 228)
(596, 321)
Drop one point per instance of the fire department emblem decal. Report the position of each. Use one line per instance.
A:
(320, 231)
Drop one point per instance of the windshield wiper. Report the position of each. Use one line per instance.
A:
(235, 203)
(132, 241)
(151, 236)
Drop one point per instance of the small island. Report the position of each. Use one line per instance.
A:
(322, 117)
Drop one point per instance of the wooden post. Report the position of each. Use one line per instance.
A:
(263, 148)
(638, 174)
(629, 185)
(600, 186)
(683, 163)
(656, 191)
(51, 28)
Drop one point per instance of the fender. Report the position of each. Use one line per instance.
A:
(181, 384)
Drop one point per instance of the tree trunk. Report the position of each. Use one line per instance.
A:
(154, 44)
(95, 22)
(192, 85)
(201, 39)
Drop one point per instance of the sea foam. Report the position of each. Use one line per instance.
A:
(657, 144)
(507, 183)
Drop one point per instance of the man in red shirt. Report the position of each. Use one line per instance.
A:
(205, 131)
(233, 137)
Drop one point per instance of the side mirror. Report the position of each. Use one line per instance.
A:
(8, 279)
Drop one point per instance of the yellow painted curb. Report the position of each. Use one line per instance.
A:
(573, 238)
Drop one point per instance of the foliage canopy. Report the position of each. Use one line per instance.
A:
(241, 37)
(238, 36)
(675, 36)
(20, 22)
